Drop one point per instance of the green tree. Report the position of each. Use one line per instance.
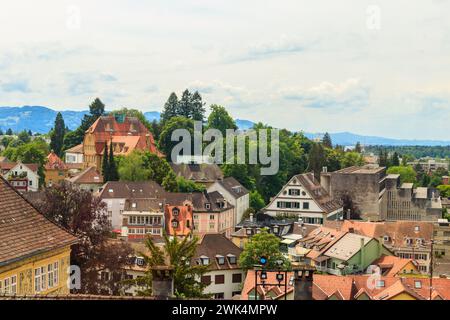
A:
(197, 107)
(407, 174)
(326, 140)
(220, 119)
(185, 105)
(24, 136)
(113, 174)
(132, 168)
(444, 190)
(352, 159)
(169, 182)
(316, 159)
(9, 132)
(105, 164)
(170, 108)
(179, 254)
(358, 147)
(263, 244)
(73, 138)
(256, 201)
(57, 135)
(395, 161)
(165, 140)
(185, 185)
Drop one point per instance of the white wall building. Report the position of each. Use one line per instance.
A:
(75, 154)
(235, 193)
(28, 172)
(224, 278)
(303, 197)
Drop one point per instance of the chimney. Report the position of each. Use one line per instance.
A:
(303, 282)
(362, 254)
(162, 282)
(380, 246)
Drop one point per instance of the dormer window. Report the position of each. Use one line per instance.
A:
(175, 212)
(133, 205)
(417, 284)
(409, 241)
(139, 261)
(207, 206)
(386, 238)
(248, 231)
(275, 229)
(416, 228)
(204, 260)
(380, 284)
(231, 258)
(110, 190)
(220, 259)
(174, 223)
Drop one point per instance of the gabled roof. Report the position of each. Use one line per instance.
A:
(89, 175)
(128, 190)
(11, 165)
(347, 246)
(249, 286)
(76, 149)
(203, 172)
(54, 162)
(315, 191)
(233, 186)
(212, 245)
(24, 231)
(392, 264)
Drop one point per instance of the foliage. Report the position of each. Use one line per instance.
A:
(256, 200)
(113, 174)
(407, 174)
(326, 141)
(220, 119)
(262, 244)
(316, 159)
(73, 138)
(86, 217)
(415, 152)
(33, 152)
(189, 106)
(184, 185)
(24, 136)
(444, 190)
(178, 254)
(165, 142)
(352, 159)
(57, 135)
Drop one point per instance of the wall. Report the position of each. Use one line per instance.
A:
(24, 270)
(228, 287)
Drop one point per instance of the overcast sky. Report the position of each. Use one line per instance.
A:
(369, 67)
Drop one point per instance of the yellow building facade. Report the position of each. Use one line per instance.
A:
(45, 273)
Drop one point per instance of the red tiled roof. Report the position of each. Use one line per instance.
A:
(88, 176)
(54, 162)
(24, 231)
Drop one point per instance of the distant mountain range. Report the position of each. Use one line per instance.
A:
(41, 119)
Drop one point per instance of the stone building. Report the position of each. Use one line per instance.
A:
(364, 185)
(404, 202)
(125, 133)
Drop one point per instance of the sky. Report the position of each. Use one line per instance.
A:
(368, 67)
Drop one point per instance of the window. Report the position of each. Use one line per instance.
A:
(50, 275)
(9, 285)
(37, 280)
(219, 279)
(231, 259)
(237, 278)
(104, 276)
(204, 260)
(219, 295)
(206, 280)
(294, 192)
(380, 284)
(55, 273)
(220, 259)
(188, 224)
(175, 212)
(207, 206)
(417, 284)
(211, 217)
(305, 205)
(133, 205)
(175, 223)
(140, 261)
